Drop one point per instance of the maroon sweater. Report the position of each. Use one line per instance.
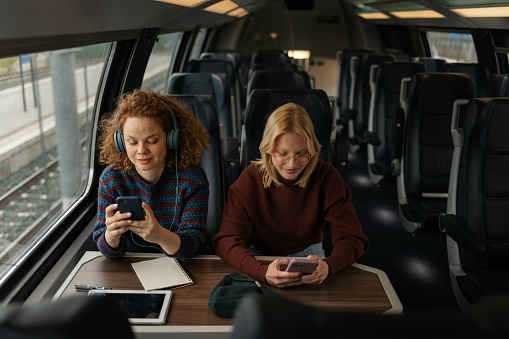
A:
(288, 219)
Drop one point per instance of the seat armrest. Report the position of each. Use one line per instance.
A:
(459, 231)
(372, 138)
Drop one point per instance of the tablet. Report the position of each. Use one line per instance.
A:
(142, 307)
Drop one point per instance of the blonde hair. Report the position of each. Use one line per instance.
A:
(193, 136)
(286, 119)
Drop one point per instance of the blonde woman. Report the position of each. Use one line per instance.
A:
(282, 204)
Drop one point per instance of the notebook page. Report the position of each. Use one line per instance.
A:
(161, 273)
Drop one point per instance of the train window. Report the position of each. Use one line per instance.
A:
(47, 102)
(198, 44)
(160, 62)
(453, 47)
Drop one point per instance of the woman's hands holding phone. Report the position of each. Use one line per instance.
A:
(280, 278)
(320, 273)
(148, 229)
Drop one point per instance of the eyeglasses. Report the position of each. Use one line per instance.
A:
(283, 158)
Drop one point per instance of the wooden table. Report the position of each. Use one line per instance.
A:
(355, 289)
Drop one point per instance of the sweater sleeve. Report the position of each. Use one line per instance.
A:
(349, 241)
(229, 241)
(104, 199)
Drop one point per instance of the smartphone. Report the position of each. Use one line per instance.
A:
(131, 204)
(306, 266)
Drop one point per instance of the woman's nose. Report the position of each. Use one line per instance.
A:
(142, 149)
(293, 161)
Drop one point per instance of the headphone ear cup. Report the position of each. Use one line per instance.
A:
(119, 141)
(173, 139)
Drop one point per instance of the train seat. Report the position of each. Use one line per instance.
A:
(260, 316)
(226, 67)
(422, 181)
(203, 109)
(432, 64)
(479, 73)
(212, 84)
(70, 317)
(235, 58)
(478, 204)
(269, 56)
(264, 101)
(278, 79)
(385, 83)
(498, 86)
(359, 114)
(347, 62)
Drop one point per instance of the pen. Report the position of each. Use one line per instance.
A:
(91, 287)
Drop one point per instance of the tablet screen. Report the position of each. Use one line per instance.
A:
(141, 307)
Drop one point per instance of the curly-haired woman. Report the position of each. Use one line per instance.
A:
(152, 147)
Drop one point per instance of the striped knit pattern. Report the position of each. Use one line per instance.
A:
(184, 213)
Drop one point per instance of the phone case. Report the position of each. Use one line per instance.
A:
(306, 266)
(131, 204)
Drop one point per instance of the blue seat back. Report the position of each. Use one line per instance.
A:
(211, 84)
(203, 109)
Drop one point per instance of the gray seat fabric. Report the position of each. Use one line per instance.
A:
(267, 79)
(432, 64)
(202, 107)
(211, 84)
(78, 317)
(260, 316)
(428, 147)
(224, 66)
(386, 102)
(362, 95)
(480, 75)
(343, 60)
(479, 226)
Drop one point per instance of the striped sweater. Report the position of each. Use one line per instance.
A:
(185, 215)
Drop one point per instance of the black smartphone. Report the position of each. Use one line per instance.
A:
(131, 204)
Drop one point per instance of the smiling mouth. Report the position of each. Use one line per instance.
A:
(144, 161)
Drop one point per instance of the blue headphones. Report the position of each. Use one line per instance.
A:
(172, 136)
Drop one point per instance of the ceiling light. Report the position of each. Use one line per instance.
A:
(222, 7)
(373, 15)
(483, 12)
(239, 12)
(427, 14)
(185, 3)
(299, 54)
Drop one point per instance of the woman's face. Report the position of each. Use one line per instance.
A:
(145, 143)
(289, 145)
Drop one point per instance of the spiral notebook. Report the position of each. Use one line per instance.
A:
(162, 273)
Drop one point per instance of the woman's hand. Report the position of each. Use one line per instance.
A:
(116, 225)
(278, 278)
(319, 275)
(150, 230)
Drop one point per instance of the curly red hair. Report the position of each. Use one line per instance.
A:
(193, 136)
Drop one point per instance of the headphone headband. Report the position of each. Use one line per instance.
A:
(172, 136)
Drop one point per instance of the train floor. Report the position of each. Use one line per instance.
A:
(415, 264)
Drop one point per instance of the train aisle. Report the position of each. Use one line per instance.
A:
(415, 264)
